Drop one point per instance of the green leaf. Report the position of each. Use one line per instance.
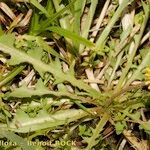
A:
(104, 35)
(92, 141)
(125, 34)
(23, 91)
(8, 39)
(24, 124)
(119, 128)
(146, 7)
(144, 52)
(146, 127)
(145, 63)
(88, 22)
(21, 57)
(40, 7)
(73, 36)
(34, 25)
(41, 90)
(47, 48)
(37, 53)
(15, 60)
(84, 131)
(138, 19)
(46, 23)
(62, 88)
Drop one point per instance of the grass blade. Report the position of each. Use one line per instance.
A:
(102, 39)
(75, 37)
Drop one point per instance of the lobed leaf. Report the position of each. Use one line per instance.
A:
(24, 124)
(19, 56)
